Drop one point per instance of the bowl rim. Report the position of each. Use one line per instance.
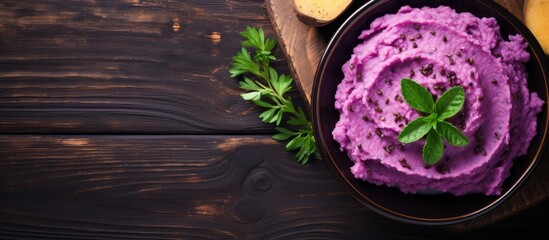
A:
(392, 214)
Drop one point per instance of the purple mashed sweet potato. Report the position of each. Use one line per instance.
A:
(437, 48)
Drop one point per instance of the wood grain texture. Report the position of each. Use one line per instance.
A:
(173, 187)
(303, 45)
(79, 74)
(125, 66)
(304, 48)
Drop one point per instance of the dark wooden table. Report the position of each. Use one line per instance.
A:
(118, 119)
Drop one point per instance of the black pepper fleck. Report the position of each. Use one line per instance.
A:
(426, 71)
(379, 133)
(470, 61)
(398, 98)
(398, 117)
(404, 163)
(452, 77)
(389, 149)
(444, 39)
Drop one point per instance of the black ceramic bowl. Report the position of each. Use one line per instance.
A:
(434, 209)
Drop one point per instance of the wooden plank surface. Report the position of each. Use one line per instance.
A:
(304, 45)
(86, 87)
(125, 66)
(172, 187)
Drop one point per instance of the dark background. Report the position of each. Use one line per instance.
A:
(118, 119)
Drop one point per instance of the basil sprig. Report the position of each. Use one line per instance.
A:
(433, 124)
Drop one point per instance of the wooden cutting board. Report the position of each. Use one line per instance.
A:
(304, 45)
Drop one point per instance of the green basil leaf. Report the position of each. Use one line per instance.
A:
(453, 135)
(432, 119)
(432, 150)
(450, 103)
(415, 130)
(417, 96)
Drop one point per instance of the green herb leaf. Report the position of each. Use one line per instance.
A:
(450, 103)
(283, 134)
(417, 96)
(242, 63)
(433, 148)
(415, 130)
(432, 119)
(434, 126)
(268, 91)
(251, 96)
(453, 135)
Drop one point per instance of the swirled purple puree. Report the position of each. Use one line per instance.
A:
(438, 48)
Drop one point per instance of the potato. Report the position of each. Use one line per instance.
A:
(319, 12)
(536, 17)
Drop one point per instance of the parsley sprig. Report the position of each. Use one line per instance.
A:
(268, 90)
(433, 125)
